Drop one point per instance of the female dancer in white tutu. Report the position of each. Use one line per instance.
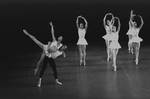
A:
(49, 54)
(53, 45)
(130, 32)
(135, 41)
(82, 41)
(114, 45)
(107, 37)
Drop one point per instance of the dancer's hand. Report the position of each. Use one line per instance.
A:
(50, 23)
(25, 32)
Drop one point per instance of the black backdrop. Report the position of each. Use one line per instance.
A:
(35, 15)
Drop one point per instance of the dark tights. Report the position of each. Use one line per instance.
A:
(52, 64)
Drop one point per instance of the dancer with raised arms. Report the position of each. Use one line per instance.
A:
(108, 37)
(114, 45)
(82, 43)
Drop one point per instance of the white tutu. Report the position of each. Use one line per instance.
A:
(136, 40)
(82, 41)
(107, 37)
(114, 45)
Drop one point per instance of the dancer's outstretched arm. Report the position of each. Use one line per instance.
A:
(34, 39)
(52, 32)
(77, 21)
(86, 23)
(142, 22)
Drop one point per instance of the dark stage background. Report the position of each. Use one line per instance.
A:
(35, 15)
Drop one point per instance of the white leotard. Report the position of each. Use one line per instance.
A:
(81, 34)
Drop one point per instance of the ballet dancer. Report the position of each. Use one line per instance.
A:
(114, 45)
(48, 57)
(130, 31)
(54, 43)
(82, 43)
(135, 41)
(107, 37)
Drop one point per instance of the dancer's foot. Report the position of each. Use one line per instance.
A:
(115, 68)
(131, 51)
(84, 63)
(39, 83)
(64, 54)
(81, 62)
(57, 82)
(136, 61)
(108, 58)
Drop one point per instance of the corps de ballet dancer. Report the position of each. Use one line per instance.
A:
(135, 41)
(130, 31)
(114, 45)
(82, 43)
(48, 56)
(108, 27)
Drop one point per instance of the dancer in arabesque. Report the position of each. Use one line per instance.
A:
(49, 57)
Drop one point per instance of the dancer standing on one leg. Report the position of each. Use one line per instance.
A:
(107, 37)
(136, 39)
(130, 32)
(53, 44)
(82, 41)
(48, 58)
(114, 45)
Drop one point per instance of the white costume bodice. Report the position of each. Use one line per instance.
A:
(81, 33)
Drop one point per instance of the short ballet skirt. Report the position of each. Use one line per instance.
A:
(82, 41)
(136, 40)
(114, 45)
(107, 37)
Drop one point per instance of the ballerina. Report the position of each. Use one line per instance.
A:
(135, 41)
(82, 41)
(48, 57)
(130, 31)
(114, 45)
(107, 37)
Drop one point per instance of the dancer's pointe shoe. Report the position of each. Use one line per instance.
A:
(131, 51)
(84, 63)
(136, 61)
(57, 82)
(115, 68)
(39, 83)
(64, 54)
(35, 71)
(81, 62)
(108, 58)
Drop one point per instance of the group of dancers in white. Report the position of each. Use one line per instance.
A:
(55, 48)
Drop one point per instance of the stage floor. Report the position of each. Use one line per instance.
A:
(96, 80)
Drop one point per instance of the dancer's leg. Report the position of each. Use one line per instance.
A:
(45, 61)
(130, 48)
(137, 47)
(39, 62)
(80, 53)
(53, 66)
(84, 54)
(108, 49)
